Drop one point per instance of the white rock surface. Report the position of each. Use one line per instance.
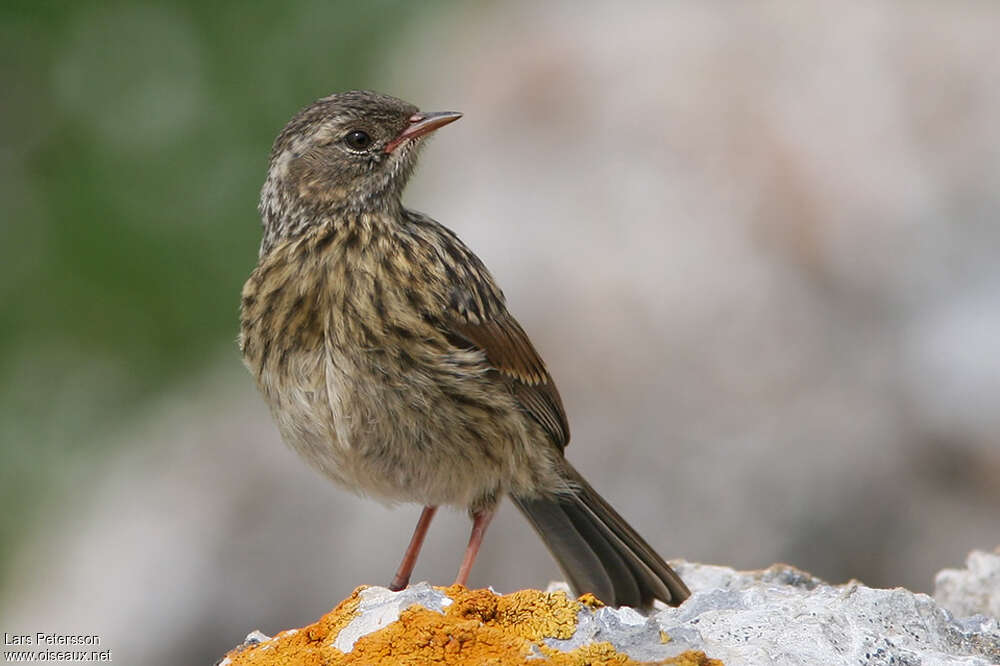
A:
(784, 616)
(777, 616)
(975, 589)
(380, 606)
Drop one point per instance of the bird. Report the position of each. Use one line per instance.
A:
(389, 360)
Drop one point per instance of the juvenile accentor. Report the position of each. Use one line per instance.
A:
(390, 362)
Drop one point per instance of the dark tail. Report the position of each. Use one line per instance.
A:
(598, 551)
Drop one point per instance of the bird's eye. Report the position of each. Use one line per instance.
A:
(357, 140)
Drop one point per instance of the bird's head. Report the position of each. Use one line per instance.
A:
(352, 152)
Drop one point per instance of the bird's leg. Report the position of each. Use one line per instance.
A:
(480, 521)
(402, 577)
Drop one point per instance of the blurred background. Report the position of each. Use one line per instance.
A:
(757, 245)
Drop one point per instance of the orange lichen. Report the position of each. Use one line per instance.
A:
(308, 646)
(590, 601)
(693, 658)
(478, 627)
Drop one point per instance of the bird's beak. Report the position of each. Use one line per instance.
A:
(423, 123)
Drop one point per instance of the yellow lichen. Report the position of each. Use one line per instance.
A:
(605, 654)
(478, 627)
(534, 616)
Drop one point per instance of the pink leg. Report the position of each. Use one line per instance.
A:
(480, 521)
(402, 578)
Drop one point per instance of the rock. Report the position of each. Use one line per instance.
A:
(776, 616)
(973, 590)
(784, 616)
(455, 625)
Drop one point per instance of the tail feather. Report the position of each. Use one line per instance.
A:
(625, 582)
(581, 565)
(598, 551)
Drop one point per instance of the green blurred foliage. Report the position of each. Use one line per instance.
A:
(135, 140)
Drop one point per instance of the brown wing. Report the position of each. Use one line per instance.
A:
(509, 350)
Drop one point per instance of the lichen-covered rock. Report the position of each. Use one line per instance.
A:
(972, 590)
(776, 616)
(453, 625)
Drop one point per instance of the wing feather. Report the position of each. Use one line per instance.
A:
(509, 350)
